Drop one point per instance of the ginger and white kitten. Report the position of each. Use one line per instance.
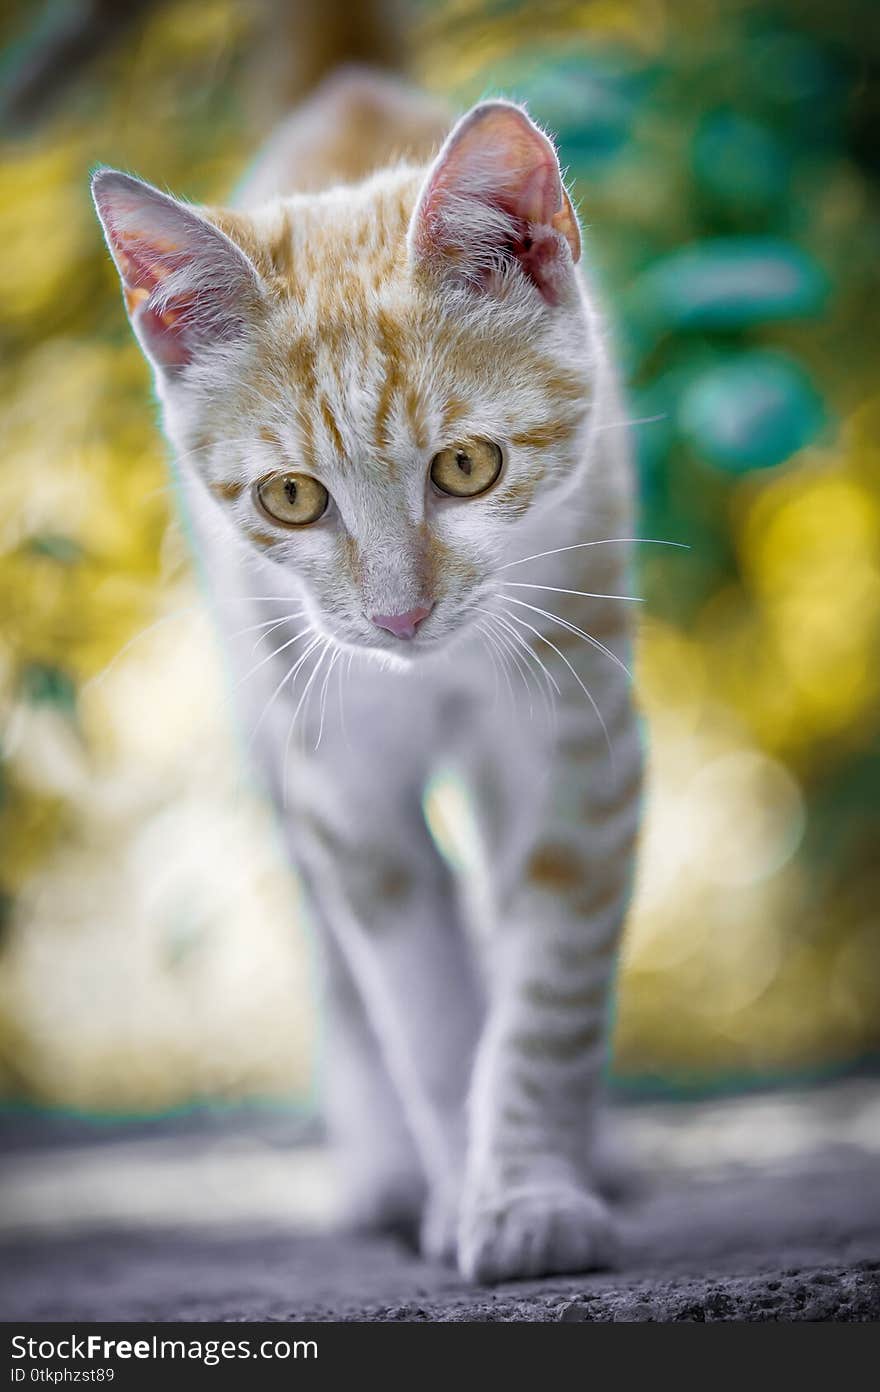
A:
(397, 434)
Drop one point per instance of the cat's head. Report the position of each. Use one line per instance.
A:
(385, 388)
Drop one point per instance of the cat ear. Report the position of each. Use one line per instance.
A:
(185, 284)
(495, 194)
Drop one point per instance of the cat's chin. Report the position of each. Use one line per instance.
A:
(401, 657)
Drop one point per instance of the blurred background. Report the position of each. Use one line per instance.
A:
(724, 155)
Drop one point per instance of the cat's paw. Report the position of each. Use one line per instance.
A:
(535, 1230)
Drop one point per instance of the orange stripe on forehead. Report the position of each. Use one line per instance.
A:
(331, 427)
(302, 359)
(339, 291)
(387, 250)
(392, 346)
(416, 416)
(454, 411)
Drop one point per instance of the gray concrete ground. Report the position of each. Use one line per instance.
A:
(760, 1208)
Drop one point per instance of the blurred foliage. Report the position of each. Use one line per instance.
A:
(721, 154)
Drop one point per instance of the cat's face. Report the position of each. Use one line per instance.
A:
(384, 389)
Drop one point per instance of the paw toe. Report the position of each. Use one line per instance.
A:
(535, 1232)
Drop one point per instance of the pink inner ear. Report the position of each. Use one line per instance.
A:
(496, 191)
(185, 284)
(143, 266)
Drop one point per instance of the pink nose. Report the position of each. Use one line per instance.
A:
(402, 625)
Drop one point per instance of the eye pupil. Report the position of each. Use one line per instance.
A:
(464, 462)
(295, 500)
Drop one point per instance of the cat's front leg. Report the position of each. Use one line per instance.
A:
(382, 1179)
(529, 1204)
(391, 905)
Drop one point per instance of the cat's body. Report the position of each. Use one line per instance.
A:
(366, 329)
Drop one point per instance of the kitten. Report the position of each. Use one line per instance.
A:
(396, 424)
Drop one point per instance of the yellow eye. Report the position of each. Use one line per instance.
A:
(293, 499)
(467, 469)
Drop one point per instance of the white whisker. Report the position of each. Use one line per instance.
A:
(268, 623)
(582, 594)
(259, 598)
(515, 657)
(324, 687)
(492, 658)
(572, 628)
(152, 493)
(552, 686)
(271, 626)
(291, 672)
(605, 541)
(341, 681)
(589, 695)
(268, 658)
(638, 420)
(327, 643)
(494, 648)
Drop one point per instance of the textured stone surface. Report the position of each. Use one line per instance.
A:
(798, 1240)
